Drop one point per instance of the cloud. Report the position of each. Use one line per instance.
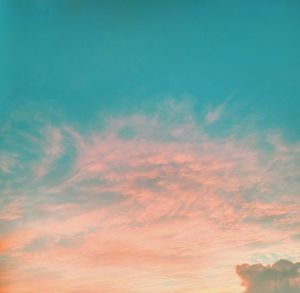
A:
(215, 114)
(281, 277)
(147, 197)
(52, 148)
(7, 162)
(11, 211)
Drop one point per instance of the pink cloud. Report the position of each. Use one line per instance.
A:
(168, 203)
(11, 211)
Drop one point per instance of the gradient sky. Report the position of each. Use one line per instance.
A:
(149, 146)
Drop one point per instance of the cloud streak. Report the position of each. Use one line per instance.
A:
(52, 148)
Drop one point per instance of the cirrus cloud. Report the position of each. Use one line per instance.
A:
(154, 200)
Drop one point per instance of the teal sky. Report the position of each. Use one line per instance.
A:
(91, 57)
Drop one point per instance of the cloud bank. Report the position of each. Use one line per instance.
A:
(281, 277)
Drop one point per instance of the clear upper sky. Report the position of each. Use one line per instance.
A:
(120, 56)
(149, 146)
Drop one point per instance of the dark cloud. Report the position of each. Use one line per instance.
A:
(281, 277)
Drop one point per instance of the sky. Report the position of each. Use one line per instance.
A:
(150, 146)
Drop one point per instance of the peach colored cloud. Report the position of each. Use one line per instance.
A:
(168, 208)
(11, 210)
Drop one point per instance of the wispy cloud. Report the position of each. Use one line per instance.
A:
(165, 202)
(8, 161)
(52, 148)
(11, 210)
(214, 114)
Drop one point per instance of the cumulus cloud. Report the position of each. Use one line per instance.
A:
(281, 277)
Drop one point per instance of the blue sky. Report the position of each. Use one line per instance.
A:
(119, 57)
